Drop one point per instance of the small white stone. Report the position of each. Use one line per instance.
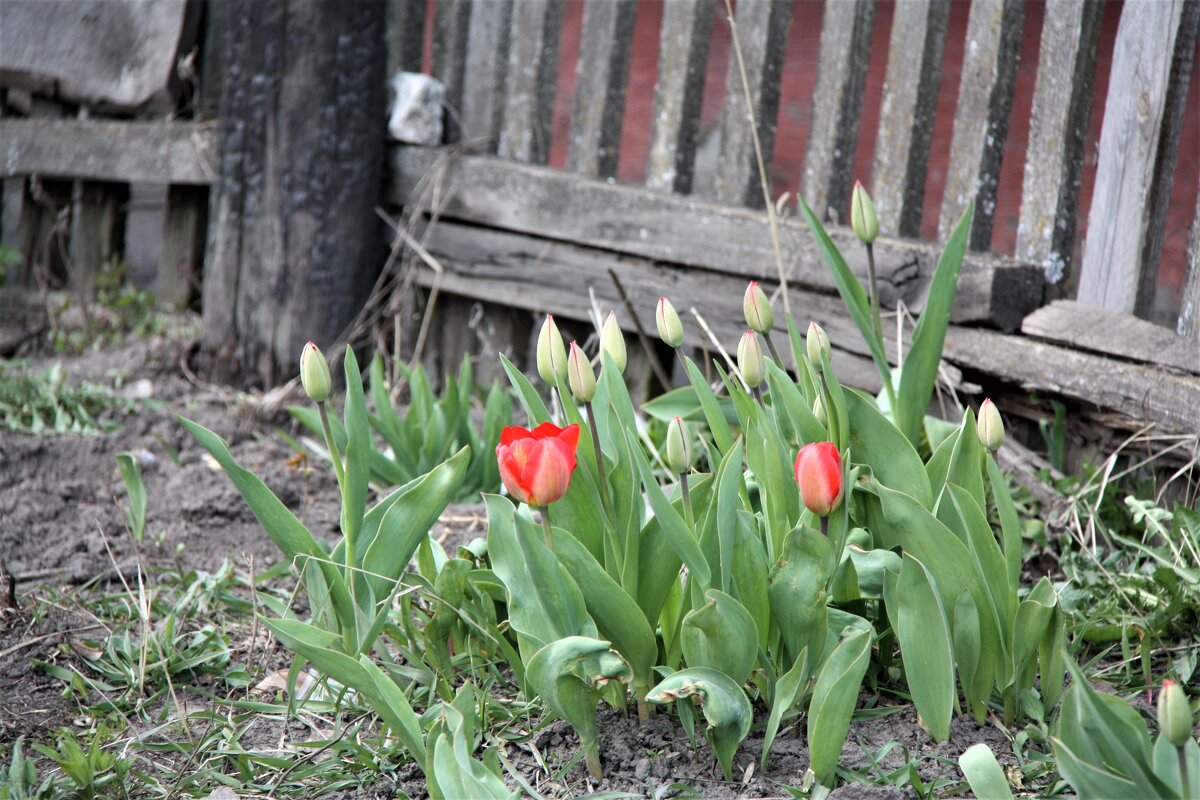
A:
(417, 109)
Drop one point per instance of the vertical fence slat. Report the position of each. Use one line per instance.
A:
(185, 223)
(981, 116)
(1119, 219)
(906, 117)
(97, 230)
(762, 32)
(1189, 309)
(837, 104)
(451, 21)
(600, 80)
(487, 72)
(682, 59)
(532, 74)
(405, 35)
(1062, 107)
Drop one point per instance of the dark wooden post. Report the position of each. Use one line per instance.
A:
(294, 244)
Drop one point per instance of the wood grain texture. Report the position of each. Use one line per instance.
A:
(910, 88)
(1189, 308)
(97, 231)
(1113, 333)
(981, 116)
(109, 150)
(532, 75)
(405, 35)
(837, 104)
(762, 33)
(185, 226)
(451, 23)
(687, 230)
(1062, 107)
(682, 58)
(601, 77)
(486, 74)
(1118, 220)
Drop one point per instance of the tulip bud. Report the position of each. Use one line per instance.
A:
(1174, 714)
(314, 373)
(612, 341)
(990, 426)
(678, 451)
(819, 411)
(750, 359)
(670, 329)
(862, 215)
(551, 353)
(819, 476)
(818, 344)
(756, 306)
(580, 376)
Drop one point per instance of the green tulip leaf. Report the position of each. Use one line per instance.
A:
(787, 689)
(797, 592)
(921, 625)
(722, 635)
(833, 700)
(876, 442)
(725, 706)
(983, 773)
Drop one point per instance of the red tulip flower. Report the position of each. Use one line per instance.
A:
(536, 465)
(819, 474)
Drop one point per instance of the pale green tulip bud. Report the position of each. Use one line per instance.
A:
(818, 344)
(819, 412)
(862, 215)
(612, 341)
(1174, 714)
(551, 353)
(678, 453)
(314, 373)
(670, 329)
(580, 375)
(990, 426)
(756, 307)
(750, 359)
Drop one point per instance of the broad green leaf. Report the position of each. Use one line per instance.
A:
(797, 592)
(751, 575)
(975, 672)
(672, 524)
(131, 476)
(357, 454)
(921, 362)
(725, 706)
(983, 773)
(921, 625)
(535, 407)
(1035, 613)
(713, 413)
(787, 689)
(966, 460)
(833, 699)
(973, 525)
(659, 570)
(729, 477)
(721, 635)
(1052, 658)
(1010, 525)
(876, 442)
(870, 566)
(797, 409)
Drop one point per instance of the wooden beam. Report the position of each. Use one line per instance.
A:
(109, 150)
(687, 230)
(1113, 333)
(1062, 107)
(910, 89)
(836, 106)
(532, 76)
(601, 76)
(487, 73)
(1119, 220)
(678, 94)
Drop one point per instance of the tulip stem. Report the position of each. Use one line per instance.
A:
(334, 454)
(687, 500)
(874, 289)
(599, 457)
(758, 395)
(545, 514)
(1183, 768)
(825, 526)
(774, 353)
(592, 758)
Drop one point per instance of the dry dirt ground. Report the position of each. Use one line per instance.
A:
(63, 532)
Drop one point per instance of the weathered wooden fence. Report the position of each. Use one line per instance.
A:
(499, 228)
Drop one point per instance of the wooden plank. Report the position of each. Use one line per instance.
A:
(109, 150)
(910, 89)
(1118, 221)
(532, 75)
(837, 104)
(682, 59)
(212, 59)
(981, 117)
(405, 35)
(761, 27)
(1140, 393)
(601, 75)
(451, 22)
(487, 73)
(1062, 107)
(185, 228)
(1189, 308)
(97, 231)
(1113, 333)
(687, 230)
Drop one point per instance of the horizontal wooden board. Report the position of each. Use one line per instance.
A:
(688, 231)
(109, 150)
(1113, 333)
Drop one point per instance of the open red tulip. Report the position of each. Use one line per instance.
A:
(536, 465)
(819, 474)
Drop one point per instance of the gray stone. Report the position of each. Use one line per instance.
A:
(417, 109)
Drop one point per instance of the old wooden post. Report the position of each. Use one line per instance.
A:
(294, 243)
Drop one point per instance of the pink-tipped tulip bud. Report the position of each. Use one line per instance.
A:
(314, 373)
(670, 329)
(817, 344)
(750, 359)
(580, 376)
(678, 450)
(612, 341)
(756, 306)
(1175, 717)
(862, 215)
(990, 426)
(819, 411)
(819, 476)
(551, 353)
